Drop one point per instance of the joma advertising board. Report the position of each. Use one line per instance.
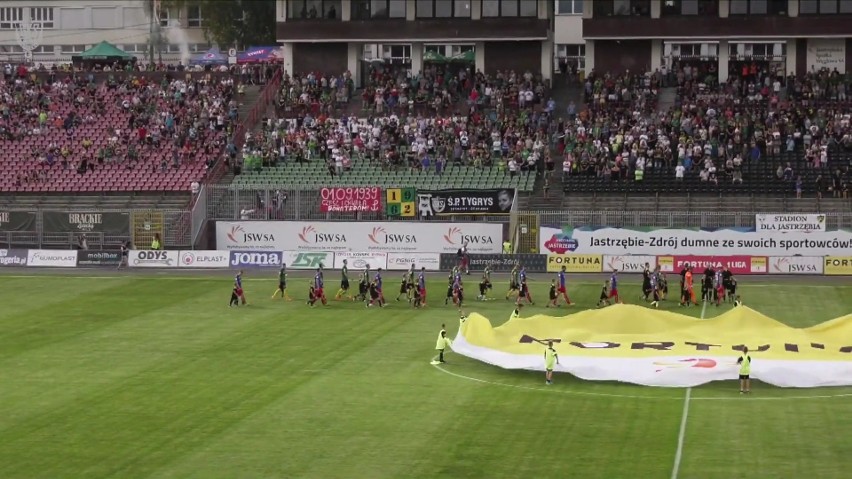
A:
(373, 237)
(722, 242)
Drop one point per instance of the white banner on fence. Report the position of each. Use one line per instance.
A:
(308, 259)
(361, 260)
(203, 259)
(377, 237)
(726, 242)
(52, 257)
(153, 259)
(403, 261)
(791, 223)
(628, 263)
(796, 265)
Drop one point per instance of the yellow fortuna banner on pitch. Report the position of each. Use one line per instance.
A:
(659, 348)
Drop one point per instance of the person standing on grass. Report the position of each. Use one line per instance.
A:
(237, 294)
(421, 285)
(443, 343)
(745, 371)
(551, 359)
(319, 282)
(613, 287)
(514, 287)
(344, 283)
(122, 261)
(562, 288)
(282, 284)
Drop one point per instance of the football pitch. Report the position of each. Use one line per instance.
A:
(153, 376)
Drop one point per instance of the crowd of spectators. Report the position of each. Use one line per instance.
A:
(76, 125)
(503, 121)
(713, 129)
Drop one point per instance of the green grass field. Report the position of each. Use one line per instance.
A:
(138, 377)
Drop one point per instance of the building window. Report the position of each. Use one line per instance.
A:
(73, 48)
(368, 9)
(10, 17)
(609, 8)
(313, 9)
(689, 7)
(443, 8)
(11, 49)
(825, 7)
(199, 47)
(193, 16)
(570, 57)
(43, 15)
(569, 7)
(509, 8)
(758, 7)
(163, 15)
(44, 49)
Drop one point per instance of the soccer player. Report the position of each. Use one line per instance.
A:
(604, 298)
(125, 247)
(375, 295)
(688, 296)
(421, 285)
(745, 371)
(552, 294)
(707, 283)
(344, 283)
(485, 284)
(378, 282)
(364, 285)
(654, 286)
(443, 343)
(613, 286)
(524, 291)
(403, 287)
(646, 281)
(719, 287)
(237, 294)
(464, 259)
(663, 284)
(282, 284)
(318, 288)
(562, 288)
(551, 359)
(458, 289)
(514, 287)
(410, 286)
(312, 294)
(732, 287)
(451, 279)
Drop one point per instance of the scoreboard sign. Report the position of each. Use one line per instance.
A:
(401, 202)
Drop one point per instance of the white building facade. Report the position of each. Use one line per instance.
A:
(70, 27)
(568, 43)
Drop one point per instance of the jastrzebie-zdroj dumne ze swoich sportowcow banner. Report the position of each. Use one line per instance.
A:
(712, 242)
(638, 345)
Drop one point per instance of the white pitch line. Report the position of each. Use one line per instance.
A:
(682, 434)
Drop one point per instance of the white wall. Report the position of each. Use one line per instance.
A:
(825, 53)
(89, 23)
(568, 29)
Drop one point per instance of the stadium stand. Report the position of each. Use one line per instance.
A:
(115, 132)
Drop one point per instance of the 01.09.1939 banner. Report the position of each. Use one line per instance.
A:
(465, 202)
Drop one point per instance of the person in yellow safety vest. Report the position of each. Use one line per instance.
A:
(155, 243)
(639, 175)
(507, 247)
(745, 372)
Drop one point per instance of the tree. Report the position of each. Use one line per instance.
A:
(233, 23)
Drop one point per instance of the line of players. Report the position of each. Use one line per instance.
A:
(717, 286)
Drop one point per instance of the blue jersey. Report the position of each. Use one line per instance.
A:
(318, 281)
(421, 281)
(654, 280)
(717, 279)
(238, 281)
(561, 279)
(457, 282)
(613, 282)
(378, 281)
(523, 275)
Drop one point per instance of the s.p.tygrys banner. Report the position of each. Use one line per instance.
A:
(639, 345)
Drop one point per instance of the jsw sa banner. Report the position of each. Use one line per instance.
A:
(638, 345)
(719, 242)
(373, 237)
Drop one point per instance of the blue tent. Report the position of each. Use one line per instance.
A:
(211, 57)
(260, 54)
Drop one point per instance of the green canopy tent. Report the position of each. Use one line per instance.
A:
(434, 57)
(103, 53)
(465, 57)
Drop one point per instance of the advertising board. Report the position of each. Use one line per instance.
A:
(403, 261)
(57, 258)
(628, 263)
(719, 242)
(499, 263)
(308, 260)
(795, 265)
(789, 223)
(203, 259)
(255, 259)
(737, 264)
(13, 257)
(377, 237)
(98, 258)
(575, 263)
(837, 265)
(361, 260)
(153, 259)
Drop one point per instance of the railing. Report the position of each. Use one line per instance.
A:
(176, 234)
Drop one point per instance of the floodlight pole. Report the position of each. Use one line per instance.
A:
(29, 36)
